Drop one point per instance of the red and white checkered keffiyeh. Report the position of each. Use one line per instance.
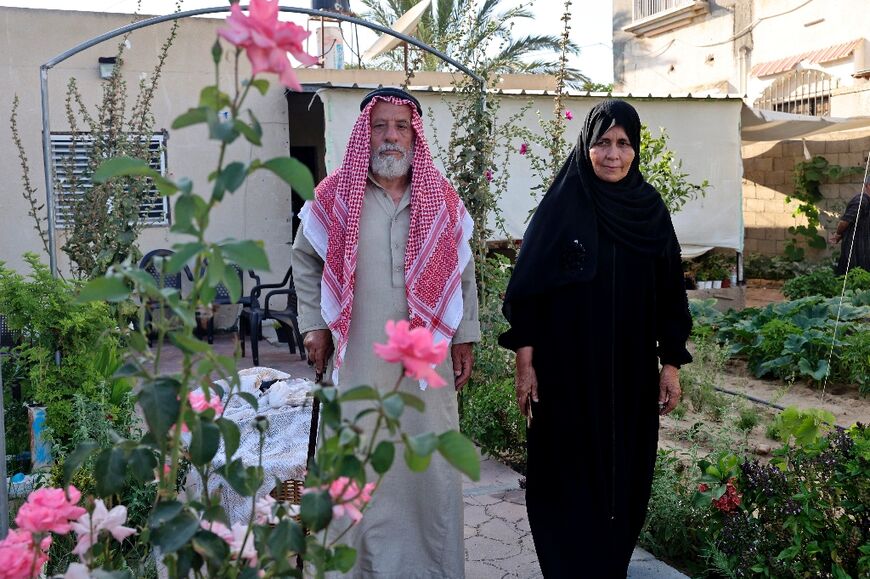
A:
(437, 249)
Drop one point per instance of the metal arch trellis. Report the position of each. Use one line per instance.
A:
(43, 82)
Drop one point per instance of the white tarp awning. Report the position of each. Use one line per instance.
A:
(763, 125)
(704, 135)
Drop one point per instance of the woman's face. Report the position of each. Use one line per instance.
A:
(612, 155)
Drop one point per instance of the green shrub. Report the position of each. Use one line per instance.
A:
(778, 267)
(491, 418)
(68, 348)
(854, 360)
(673, 529)
(824, 283)
(805, 514)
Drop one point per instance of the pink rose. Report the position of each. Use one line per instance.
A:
(49, 509)
(524, 148)
(569, 115)
(197, 399)
(235, 538)
(415, 350)
(488, 175)
(267, 41)
(348, 499)
(18, 558)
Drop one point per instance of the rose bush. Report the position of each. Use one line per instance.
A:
(193, 536)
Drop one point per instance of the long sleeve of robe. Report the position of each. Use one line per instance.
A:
(414, 527)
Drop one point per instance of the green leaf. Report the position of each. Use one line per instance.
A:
(160, 406)
(122, 167)
(142, 463)
(109, 289)
(211, 547)
(232, 176)
(185, 213)
(223, 131)
(423, 444)
(231, 436)
(383, 456)
(316, 510)
(359, 393)
(343, 558)
(163, 512)
(211, 97)
(75, 459)
(244, 480)
(460, 452)
(286, 535)
(187, 344)
(247, 254)
(248, 132)
(165, 186)
(174, 533)
(261, 84)
(789, 553)
(250, 399)
(413, 401)
(184, 252)
(204, 440)
(393, 405)
(110, 471)
(416, 462)
(191, 117)
(294, 173)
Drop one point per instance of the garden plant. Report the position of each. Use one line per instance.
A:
(193, 536)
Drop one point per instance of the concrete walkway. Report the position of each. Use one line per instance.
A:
(498, 542)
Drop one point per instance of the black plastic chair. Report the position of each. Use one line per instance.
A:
(254, 314)
(153, 263)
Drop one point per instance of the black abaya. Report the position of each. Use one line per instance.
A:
(592, 442)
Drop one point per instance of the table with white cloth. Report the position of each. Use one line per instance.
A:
(287, 404)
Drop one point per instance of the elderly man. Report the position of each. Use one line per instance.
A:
(386, 238)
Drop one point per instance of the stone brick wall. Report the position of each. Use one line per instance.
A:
(768, 179)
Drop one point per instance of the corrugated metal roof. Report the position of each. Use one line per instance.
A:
(314, 87)
(828, 54)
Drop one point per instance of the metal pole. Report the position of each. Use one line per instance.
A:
(4, 491)
(46, 167)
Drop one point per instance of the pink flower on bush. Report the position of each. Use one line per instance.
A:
(234, 537)
(17, 555)
(49, 509)
(89, 526)
(199, 404)
(348, 499)
(415, 350)
(569, 115)
(488, 175)
(524, 148)
(267, 41)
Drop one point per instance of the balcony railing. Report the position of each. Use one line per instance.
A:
(653, 17)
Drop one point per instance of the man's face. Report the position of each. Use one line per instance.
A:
(392, 142)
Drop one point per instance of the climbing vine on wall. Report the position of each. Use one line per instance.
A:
(808, 179)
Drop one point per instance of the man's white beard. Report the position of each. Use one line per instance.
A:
(389, 166)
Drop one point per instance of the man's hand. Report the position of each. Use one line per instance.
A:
(669, 389)
(463, 360)
(526, 380)
(318, 344)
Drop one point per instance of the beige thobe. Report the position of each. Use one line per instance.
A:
(414, 526)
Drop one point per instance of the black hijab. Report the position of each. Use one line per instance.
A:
(560, 245)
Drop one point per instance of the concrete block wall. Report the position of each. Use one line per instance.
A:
(768, 181)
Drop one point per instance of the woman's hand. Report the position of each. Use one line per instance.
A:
(669, 389)
(526, 380)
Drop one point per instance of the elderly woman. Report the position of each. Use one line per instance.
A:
(596, 301)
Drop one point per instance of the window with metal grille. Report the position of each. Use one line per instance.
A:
(803, 92)
(646, 8)
(70, 157)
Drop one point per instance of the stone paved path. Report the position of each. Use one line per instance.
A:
(498, 542)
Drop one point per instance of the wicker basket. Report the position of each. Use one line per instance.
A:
(290, 491)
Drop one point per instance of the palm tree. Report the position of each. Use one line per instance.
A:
(466, 30)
